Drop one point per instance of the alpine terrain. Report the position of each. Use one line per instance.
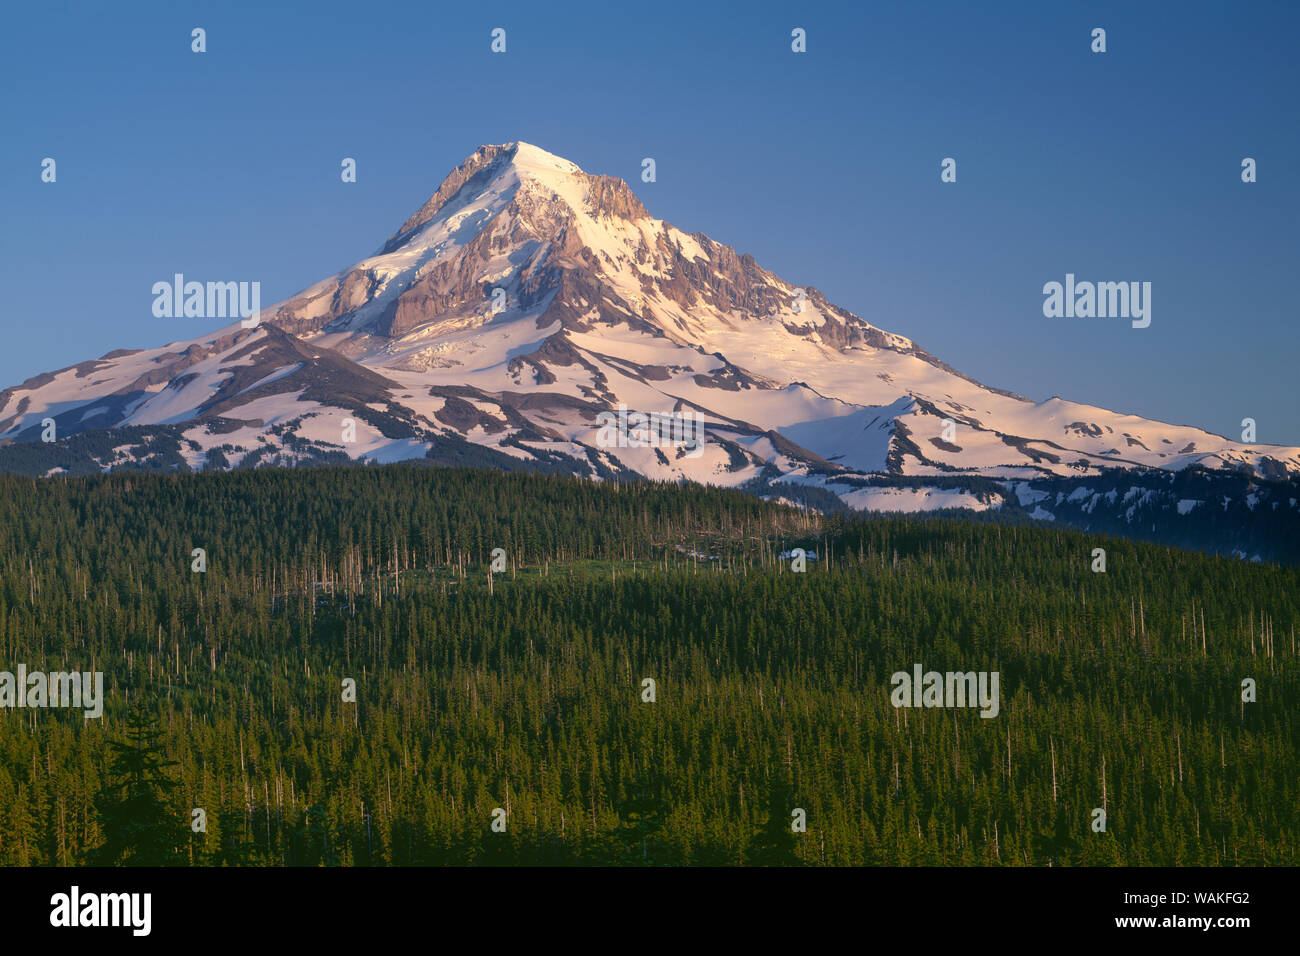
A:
(527, 297)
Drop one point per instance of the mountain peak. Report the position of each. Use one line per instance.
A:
(515, 163)
(535, 160)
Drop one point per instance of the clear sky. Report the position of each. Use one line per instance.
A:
(1122, 166)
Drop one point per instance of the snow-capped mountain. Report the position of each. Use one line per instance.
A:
(525, 298)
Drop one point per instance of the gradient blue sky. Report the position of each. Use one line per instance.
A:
(824, 166)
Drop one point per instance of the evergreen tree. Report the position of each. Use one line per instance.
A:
(641, 814)
(775, 841)
(140, 826)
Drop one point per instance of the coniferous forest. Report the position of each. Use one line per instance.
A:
(348, 682)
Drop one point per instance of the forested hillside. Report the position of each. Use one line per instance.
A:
(523, 690)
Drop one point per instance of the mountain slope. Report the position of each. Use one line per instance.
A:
(525, 298)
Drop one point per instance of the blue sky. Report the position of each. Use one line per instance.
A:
(1122, 166)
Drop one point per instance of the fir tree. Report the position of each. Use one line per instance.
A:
(775, 841)
(139, 824)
